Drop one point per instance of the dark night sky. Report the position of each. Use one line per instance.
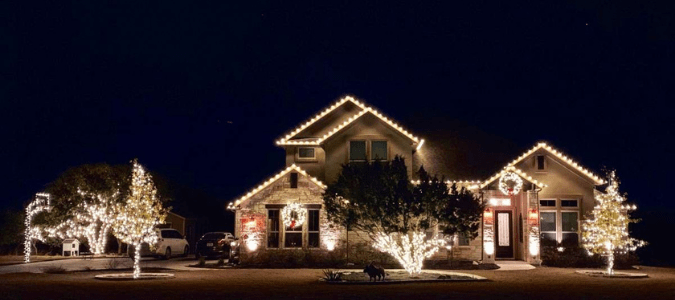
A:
(200, 92)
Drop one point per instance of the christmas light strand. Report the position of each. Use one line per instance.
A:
(606, 232)
(409, 249)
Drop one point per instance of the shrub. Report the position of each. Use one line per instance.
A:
(578, 257)
(54, 270)
(330, 275)
(221, 262)
(202, 261)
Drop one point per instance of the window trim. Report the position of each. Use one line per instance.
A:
(370, 154)
(269, 231)
(318, 231)
(297, 155)
(349, 150)
(558, 210)
(536, 163)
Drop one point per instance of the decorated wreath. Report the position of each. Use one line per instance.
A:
(293, 215)
(510, 183)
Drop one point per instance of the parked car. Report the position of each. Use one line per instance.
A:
(170, 243)
(214, 244)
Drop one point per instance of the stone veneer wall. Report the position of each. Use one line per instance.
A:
(280, 193)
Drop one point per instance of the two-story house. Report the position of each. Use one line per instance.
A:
(546, 195)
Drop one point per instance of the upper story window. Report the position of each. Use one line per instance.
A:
(357, 150)
(294, 180)
(569, 203)
(540, 161)
(550, 203)
(378, 150)
(306, 153)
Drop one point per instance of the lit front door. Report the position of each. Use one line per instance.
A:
(504, 234)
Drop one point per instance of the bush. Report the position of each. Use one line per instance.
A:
(202, 261)
(577, 257)
(54, 270)
(330, 275)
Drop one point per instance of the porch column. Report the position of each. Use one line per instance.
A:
(488, 235)
(533, 247)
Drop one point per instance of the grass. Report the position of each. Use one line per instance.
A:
(54, 270)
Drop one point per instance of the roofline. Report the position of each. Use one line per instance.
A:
(236, 203)
(520, 173)
(542, 145)
(365, 109)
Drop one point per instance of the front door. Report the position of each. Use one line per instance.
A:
(504, 234)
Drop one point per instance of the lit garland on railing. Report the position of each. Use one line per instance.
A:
(40, 204)
(410, 253)
(606, 232)
(137, 218)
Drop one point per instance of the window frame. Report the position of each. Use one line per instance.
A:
(558, 210)
(318, 228)
(349, 150)
(270, 231)
(370, 154)
(306, 158)
(300, 232)
(536, 163)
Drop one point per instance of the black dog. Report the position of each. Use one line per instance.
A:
(375, 272)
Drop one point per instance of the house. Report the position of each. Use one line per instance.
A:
(541, 194)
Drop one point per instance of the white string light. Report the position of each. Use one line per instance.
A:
(510, 183)
(293, 215)
(293, 167)
(40, 204)
(606, 232)
(561, 156)
(409, 249)
(139, 215)
(364, 109)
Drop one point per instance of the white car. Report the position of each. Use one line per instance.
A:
(170, 243)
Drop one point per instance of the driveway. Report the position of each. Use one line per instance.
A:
(178, 263)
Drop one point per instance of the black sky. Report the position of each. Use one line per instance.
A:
(200, 92)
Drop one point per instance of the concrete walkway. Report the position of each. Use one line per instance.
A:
(513, 265)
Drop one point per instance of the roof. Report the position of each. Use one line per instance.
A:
(597, 180)
(271, 180)
(514, 170)
(68, 241)
(362, 109)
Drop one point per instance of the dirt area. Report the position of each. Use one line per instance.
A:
(541, 283)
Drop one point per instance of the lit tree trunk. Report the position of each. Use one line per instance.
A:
(119, 246)
(137, 261)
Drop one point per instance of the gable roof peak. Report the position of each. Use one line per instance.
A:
(364, 109)
(543, 145)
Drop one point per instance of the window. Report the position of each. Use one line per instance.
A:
(569, 203)
(463, 239)
(294, 180)
(570, 227)
(306, 153)
(378, 150)
(541, 162)
(293, 237)
(547, 203)
(357, 150)
(273, 228)
(313, 228)
(548, 225)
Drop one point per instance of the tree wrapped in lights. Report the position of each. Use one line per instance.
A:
(31, 233)
(139, 214)
(399, 217)
(83, 202)
(606, 231)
